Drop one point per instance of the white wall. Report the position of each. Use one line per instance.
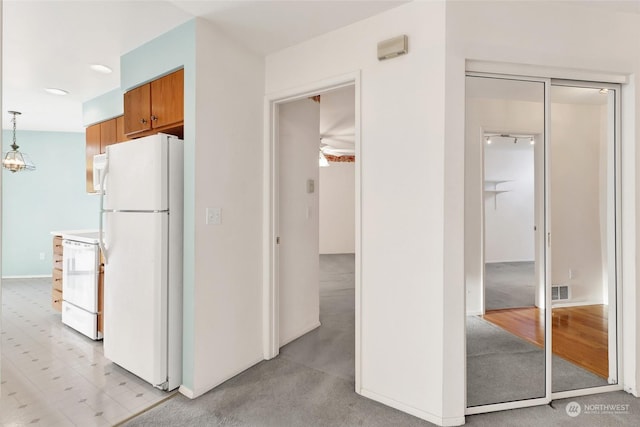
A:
(337, 182)
(579, 39)
(576, 222)
(338, 208)
(299, 299)
(508, 216)
(402, 194)
(227, 295)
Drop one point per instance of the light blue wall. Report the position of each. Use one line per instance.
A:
(170, 51)
(103, 107)
(53, 197)
(165, 53)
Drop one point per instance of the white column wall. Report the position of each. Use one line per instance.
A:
(402, 195)
(227, 300)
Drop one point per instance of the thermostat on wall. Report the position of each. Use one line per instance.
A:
(391, 48)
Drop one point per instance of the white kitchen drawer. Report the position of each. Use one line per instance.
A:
(81, 320)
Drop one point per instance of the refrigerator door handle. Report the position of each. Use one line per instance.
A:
(103, 177)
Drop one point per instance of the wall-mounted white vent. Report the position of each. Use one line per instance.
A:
(560, 293)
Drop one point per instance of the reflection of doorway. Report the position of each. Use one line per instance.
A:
(509, 242)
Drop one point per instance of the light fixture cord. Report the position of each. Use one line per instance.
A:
(14, 146)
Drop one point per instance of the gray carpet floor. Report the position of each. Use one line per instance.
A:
(311, 383)
(509, 285)
(502, 367)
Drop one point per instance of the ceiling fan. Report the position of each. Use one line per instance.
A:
(338, 145)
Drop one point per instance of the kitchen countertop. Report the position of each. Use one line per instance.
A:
(86, 236)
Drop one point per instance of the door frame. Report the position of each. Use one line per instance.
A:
(271, 214)
(546, 232)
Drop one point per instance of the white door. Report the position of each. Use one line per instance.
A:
(135, 293)
(137, 175)
(299, 145)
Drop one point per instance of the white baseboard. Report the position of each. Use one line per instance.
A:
(193, 394)
(574, 304)
(300, 333)
(35, 276)
(511, 260)
(474, 313)
(187, 392)
(435, 419)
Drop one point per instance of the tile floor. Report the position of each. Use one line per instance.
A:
(55, 376)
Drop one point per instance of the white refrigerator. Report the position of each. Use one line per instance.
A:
(141, 238)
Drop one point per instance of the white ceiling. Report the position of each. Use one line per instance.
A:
(51, 43)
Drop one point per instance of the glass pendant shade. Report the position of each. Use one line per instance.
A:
(16, 161)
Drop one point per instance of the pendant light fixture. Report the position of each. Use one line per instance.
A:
(14, 160)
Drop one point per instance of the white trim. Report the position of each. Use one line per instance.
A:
(30, 276)
(513, 260)
(628, 224)
(199, 391)
(184, 390)
(480, 66)
(473, 410)
(575, 304)
(300, 333)
(435, 419)
(271, 344)
(546, 240)
(585, 391)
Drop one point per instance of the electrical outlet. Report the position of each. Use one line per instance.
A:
(214, 216)
(41, 256)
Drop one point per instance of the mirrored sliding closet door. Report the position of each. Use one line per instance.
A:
(505, 254)
(541, 240)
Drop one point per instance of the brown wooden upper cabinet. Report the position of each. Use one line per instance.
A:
(97, 138)
(155, 106)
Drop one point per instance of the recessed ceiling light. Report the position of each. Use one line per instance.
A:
(101, 68)
(605, 90)
(55, 91)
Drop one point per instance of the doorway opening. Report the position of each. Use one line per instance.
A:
(311, 303)
(542, 240)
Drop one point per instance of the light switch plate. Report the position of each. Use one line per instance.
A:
(214, 216)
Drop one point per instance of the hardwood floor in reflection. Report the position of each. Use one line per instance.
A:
(579, 334)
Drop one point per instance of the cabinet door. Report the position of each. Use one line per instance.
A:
(120, 135)
(92, 148)
(167, 100)
(107, 134)
(137, 110)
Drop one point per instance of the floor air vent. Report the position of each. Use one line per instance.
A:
(560, 293)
